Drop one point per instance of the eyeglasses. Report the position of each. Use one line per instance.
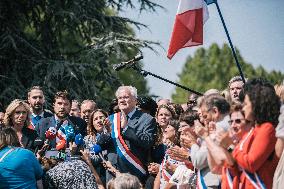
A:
(237, 121)
(191, 102)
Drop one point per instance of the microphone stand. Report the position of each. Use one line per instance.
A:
(145, 73)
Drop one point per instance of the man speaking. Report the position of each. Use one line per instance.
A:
(133, 133)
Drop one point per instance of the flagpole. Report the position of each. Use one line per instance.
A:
(230, 41)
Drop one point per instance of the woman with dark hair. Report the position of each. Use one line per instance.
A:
(95, 126)
(254, 155)
(163, 115)
(17, 116)
(19, 167)
(187, 137)
(171, 135)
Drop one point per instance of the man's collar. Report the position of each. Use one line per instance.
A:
(41, 115)
(58, 119)
(130, 114)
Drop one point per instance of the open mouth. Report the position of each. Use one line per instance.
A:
(236, 129)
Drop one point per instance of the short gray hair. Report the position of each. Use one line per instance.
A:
(89, 101)
(236, 78)
(131, 89)
(126, 181)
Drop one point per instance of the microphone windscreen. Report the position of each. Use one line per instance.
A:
(69, 133)
(79, 140)
(50, 134)
(61, 145)
(96, 149)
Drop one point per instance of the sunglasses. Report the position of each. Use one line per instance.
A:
(238, 121)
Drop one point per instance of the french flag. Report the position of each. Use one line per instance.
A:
(188, 27)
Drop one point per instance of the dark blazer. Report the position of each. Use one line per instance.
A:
(47, 114)
(139, 135)
(79, 125)
(44, 124)
(28, 138)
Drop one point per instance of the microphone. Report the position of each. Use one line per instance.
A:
(38, 142)
(50, 134)
(69, 133)
(97, 149)
(60, 145)
(79, 141)
(122, 65)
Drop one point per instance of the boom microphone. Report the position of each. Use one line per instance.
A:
(122, 65)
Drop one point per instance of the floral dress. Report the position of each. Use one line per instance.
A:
(70, 174)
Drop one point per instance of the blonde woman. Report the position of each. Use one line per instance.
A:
(17, 116)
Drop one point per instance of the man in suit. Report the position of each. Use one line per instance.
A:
(39, 117)
(133, 133)
(62, 119)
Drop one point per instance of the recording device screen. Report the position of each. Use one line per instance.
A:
(55, 154)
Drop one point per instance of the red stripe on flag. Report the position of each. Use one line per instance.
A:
(187, 32)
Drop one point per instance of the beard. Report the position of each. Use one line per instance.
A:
(37, 107)
(61, 114)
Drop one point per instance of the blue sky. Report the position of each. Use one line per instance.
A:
(256, 28)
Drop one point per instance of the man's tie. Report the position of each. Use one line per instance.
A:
(58, 124)
(35, 120)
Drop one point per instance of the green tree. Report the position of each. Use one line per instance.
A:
(213, 68)
(67, 45)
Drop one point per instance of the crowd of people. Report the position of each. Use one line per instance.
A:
(231, 139)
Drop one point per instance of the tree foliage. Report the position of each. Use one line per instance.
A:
(213, 68)
(69, 45)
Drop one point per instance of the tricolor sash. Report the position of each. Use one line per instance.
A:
(229, 178)
(122, 149)
(254, 179)
(200, 181)
(165, 174)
